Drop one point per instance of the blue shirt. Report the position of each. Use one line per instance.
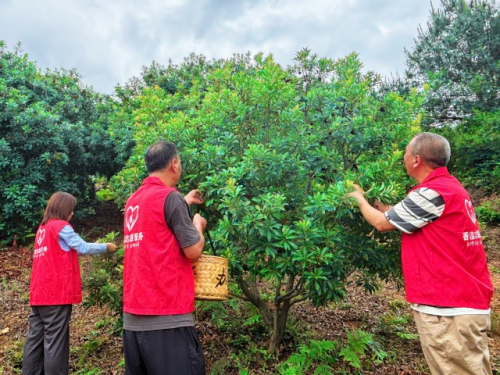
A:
(68, 240)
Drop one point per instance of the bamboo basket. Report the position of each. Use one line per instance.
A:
(210, 278)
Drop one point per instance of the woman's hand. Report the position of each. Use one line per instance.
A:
(111, 247)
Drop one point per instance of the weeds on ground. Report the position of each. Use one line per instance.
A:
(495, 323)
(14, 358)
(89, 371)
(398, 324)
(238, 326)
(489, 210)
(397, 321)
(360, 352)
(234, 325)
(91, 348)
(104, 282)
(319, 356)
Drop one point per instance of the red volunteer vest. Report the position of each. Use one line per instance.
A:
(444, 263)
(157, 276)
(55, 276)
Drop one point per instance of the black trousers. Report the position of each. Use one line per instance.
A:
(175, 351)
(46, 351)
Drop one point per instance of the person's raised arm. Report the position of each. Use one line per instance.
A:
(68, 240)
(382, 207)
(372, 215)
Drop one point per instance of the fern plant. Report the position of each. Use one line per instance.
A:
(318, 355)
(358, 344)
(397, 323)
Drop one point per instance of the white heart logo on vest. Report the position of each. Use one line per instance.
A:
(40, 236)
(470, 211)
(131, 216)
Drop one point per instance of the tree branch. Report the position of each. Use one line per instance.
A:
(251, 292)
(289, 290)
(301, 299)
(239, 296)
(454, 118)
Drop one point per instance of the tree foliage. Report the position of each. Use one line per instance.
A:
(457, 63)
(275, 152)
(475, 146)
(172, 78)
(53, 137)
(459, 57)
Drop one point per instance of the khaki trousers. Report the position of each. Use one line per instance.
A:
(455, 345)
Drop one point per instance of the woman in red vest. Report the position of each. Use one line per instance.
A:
(55, 286)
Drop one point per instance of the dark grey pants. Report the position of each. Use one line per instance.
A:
(46, 351)
(175, 351)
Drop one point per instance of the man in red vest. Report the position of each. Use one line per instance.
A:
(444, 265)
(160, 243)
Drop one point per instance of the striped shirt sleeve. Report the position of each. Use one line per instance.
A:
(419, 208)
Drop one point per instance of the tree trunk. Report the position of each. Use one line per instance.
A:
(279, 326)
(275, 320)
(252, 293)
(282, 303)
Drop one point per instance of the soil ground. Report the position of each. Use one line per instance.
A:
(96, 351)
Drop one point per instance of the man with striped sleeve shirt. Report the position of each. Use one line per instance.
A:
(444, 265)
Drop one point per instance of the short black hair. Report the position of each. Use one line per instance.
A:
(159, 155)
(434, 149)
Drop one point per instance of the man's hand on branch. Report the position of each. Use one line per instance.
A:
(358, 193)
(194, 197)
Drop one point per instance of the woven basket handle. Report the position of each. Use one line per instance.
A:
(210, 241)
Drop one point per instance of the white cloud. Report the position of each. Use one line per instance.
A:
(109, 42)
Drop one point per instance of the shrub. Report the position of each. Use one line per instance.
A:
(275, 152)
(104, 282)
(475, 158)
(53, 136)
(489, 211)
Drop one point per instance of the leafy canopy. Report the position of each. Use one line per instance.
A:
(53, 136)
(459, 58)
(274, 151)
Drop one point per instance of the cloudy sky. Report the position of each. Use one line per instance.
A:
(108, 41)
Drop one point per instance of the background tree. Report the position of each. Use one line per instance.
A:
(475, 146)
(457, 62)
(274, 152)
(173, 79)
(459, 57)
(53, 137)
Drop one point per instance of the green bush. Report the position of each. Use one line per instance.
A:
(475, 151)
(489, 211)
(276, 152)
(53, 136)
(104, 282)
